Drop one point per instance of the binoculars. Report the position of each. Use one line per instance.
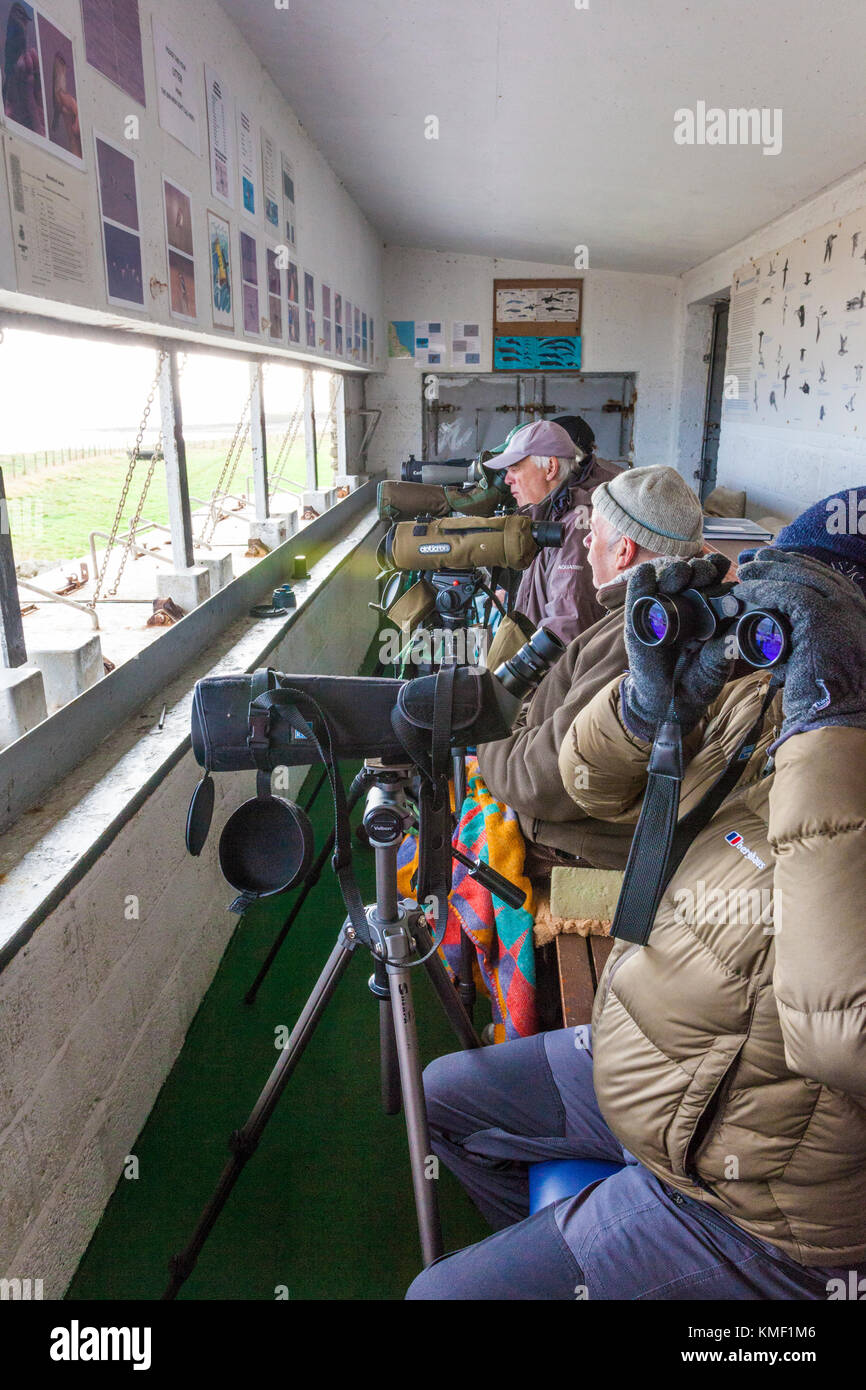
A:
(763, 637)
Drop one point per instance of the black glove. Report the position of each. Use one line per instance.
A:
(646, 690)
(825, 675)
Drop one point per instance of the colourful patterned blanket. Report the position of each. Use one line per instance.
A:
(501, 935)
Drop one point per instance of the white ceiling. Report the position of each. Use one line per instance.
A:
(556, 124)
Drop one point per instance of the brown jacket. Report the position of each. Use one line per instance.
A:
(730, 1051)
(557, 590)
(522, 771)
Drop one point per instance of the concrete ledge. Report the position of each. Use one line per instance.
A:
(276, 530)
(220, 569)
(69, 666)
(22, 702)
(321, 500)
(188, 588)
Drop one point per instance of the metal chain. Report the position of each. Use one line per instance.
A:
(331, 410)
(158, 456)
(237, 442)
(133, 460)
(288, 439)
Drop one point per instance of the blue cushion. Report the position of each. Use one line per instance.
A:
(565, 1177)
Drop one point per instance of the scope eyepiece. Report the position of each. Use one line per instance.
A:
(548, 533)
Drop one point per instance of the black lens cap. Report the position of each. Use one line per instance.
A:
(199, 815)
(266, 846)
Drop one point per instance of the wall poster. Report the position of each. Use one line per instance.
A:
(112, 43)
(38, 78)
(219, 242)
(181, 265)
(177, 94)
(220, 125)
(121, 240)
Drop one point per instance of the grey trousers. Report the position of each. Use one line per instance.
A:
(494, 1110)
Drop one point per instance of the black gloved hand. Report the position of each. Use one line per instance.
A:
(646, 690)
(825, 675)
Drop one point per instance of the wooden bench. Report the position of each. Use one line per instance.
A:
(580, 961)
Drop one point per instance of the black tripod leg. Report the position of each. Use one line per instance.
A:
(390, 1072)
(244, 1142)
(310, 882)
(417, 1129)
(466, 985)
(448, 995)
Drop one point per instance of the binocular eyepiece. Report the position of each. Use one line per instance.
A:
(763, 636)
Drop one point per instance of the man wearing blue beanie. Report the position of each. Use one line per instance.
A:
(726, 1067)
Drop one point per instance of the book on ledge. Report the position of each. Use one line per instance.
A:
(721, 528)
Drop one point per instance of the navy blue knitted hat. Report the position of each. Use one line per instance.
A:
(833, 531)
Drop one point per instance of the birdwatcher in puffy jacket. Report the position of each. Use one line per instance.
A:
(726, 1063)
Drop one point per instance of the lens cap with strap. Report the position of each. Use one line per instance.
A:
(266, 846)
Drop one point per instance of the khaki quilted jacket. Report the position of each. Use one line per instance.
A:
(730, 1051)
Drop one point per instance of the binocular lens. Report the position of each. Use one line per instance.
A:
(761, 639)
(653, 622)
(657, 621)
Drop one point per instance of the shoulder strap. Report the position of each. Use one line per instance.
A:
(660, 843)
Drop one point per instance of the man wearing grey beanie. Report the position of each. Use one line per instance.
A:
(641, 514)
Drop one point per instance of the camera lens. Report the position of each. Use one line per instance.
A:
(654, 622)
(762, 638)
(526, 669)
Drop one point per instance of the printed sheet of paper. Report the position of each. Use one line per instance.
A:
(219, 239)
(465, 344)
(39, 85)
(429, 343)
(118, 203)
(270, 181)
(220, 124)
(552, 304)
(112, 43)
(51, 226)
(247, 148)
(289, 227)
(176, 88)
(181, 265)
(250, 282)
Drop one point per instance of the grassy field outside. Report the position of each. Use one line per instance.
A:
(53, 510)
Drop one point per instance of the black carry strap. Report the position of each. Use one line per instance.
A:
(660, 843)
(434, 803)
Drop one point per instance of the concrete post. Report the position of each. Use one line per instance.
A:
(258, 439)
(174, 448)
(11, 626)
(310, 431)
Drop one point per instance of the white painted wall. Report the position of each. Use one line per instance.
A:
(629, 325)
(336, 242)
(782, 470)
(94, 1010)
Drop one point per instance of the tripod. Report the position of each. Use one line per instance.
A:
(397, 936)
(456, 592)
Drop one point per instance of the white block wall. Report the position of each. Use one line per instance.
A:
(94, 1010)
(629, 325)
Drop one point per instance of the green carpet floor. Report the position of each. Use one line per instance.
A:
(324, 1208)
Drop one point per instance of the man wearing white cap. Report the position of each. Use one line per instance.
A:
(550, 483)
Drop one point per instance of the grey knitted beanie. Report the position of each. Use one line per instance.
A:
(654, 507)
